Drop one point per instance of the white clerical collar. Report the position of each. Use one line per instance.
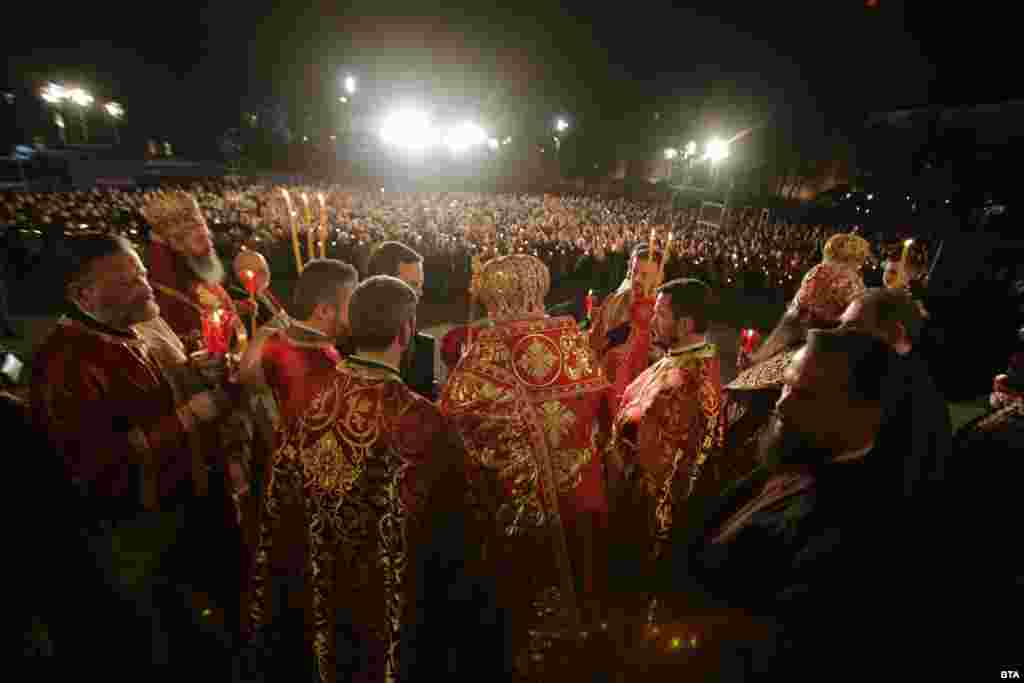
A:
(684, 349)
(311, 330)
(854, 455)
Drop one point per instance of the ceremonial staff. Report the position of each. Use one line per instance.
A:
(311, 249)
(323, 225)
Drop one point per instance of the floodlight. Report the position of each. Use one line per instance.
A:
(716, 150)
(671, 153)
(409, 129)
(464, 136)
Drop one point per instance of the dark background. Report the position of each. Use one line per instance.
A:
(808, 71)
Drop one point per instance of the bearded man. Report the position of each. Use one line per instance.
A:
(795, 545)
(529, 402)
(621, 334)
(292, 363)
(669, 424)
(825, 292)
(184, 268)
(105, 397)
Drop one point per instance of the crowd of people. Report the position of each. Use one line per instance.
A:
(267, 491)
(567, 233)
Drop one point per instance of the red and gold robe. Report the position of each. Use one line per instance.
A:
(342, 515)
(668, 425)
(297, 365)
(623, 361)
(529, 402)
(103, 399)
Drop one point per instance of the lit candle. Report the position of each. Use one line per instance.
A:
(323, 225)
(213, 332)
(295, 230)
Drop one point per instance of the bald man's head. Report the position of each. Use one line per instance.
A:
(252, 261)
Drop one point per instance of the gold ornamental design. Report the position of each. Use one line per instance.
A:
(537, 360)
(558, 421)
(330, 467)
(578, 356)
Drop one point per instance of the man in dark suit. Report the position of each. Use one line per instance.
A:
(800, 545)
(397, 260)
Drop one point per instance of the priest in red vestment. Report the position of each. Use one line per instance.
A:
(285, 369)
(621, 334)
(294, 363)
(669, 424)
(184, 268)
(186, 274)
(529, 402)
(352, 487)
(102, 392)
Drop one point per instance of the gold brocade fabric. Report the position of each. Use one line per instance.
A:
(670, 422)
(529, 390)
(348, 486)
(765, 375)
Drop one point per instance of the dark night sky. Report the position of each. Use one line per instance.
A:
(822, 63)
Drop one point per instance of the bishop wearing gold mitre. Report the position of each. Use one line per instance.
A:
(529, 402)
(825, 292)
(669, 424)
(621, 334)
(354, 484)
(185, 270)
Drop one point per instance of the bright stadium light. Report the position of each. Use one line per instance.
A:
(115, 110)
(409, 129)
(717, 150)
(691, 148)
(54, 93)
(464, 136)
(561, 125)
(493, 143)
(350, 85)
(671, 153)
(80, 97)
